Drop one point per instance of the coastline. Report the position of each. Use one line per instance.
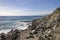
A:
(47, 28)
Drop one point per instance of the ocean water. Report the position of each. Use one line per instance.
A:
(15, 22)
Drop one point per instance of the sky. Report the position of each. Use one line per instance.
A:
(27, 7)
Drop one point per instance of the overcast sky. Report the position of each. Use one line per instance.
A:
(27, 7)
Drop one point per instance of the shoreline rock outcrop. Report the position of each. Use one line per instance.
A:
(12, 35)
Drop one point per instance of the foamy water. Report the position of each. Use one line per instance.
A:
(16, 25)
(5, 31)
(14, 22)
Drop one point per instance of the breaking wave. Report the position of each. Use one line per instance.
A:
(14, 25)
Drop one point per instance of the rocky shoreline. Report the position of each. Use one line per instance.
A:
(46, 28)
(12, 35)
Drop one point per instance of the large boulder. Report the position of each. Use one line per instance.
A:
(2, 36)
(13, 35)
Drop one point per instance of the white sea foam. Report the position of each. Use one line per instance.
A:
(5, 31)
(16, 25)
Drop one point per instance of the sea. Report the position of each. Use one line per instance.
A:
(15, 22)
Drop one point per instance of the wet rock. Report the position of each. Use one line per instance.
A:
(14, 35)
(2, 36)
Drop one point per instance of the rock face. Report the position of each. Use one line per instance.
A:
(48, 27)
(12, 35)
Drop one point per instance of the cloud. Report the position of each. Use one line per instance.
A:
(7, 11)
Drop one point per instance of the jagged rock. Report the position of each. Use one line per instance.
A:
(14, 35)
(2, 36)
